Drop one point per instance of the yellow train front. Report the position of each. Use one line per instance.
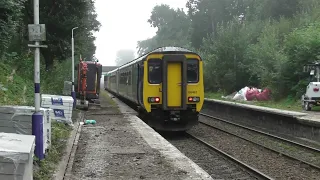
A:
(166, 84)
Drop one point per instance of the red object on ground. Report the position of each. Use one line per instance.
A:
(264, 95)
(251, 94)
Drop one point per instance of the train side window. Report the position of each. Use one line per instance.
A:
(192, 71)
(140, 73)
(124, 78)
(121, 78)
(154, 71)
(129, 76)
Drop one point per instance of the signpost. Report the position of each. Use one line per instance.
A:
(37, 33)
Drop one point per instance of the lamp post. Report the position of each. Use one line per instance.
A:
(73, 93)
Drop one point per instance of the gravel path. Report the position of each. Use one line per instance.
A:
(111, 149)
(296, 151)
(212, 162)
(268, 162)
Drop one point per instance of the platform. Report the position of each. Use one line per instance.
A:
(308, 117)
(121, 146)
(287, 123)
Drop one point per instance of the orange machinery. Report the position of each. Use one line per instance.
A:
(88, 83)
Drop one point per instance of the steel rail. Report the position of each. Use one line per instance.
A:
(246, 139)
(252, 170)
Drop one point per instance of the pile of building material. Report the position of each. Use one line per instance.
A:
(16, 156)
(61, 105)
(18, 119)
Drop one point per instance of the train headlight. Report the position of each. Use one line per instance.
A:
(193, 99)
(153, 99)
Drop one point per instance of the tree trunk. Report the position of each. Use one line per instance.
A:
(48, 57)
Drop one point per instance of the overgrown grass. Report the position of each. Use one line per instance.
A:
(109, 101)
(53, 81)
(107, 98)
(17, 86)
(14, 89)
(285, 104)
(60, 135)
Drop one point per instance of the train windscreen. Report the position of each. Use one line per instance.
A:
(193, 71)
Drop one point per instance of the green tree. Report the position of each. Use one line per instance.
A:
(60, 17)
(10, 20)
(172, 29)
(302, 47)
(267, 48)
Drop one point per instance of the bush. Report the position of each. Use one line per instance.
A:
(14, 89)
(302, 47)
(17, 79)
(53, 81)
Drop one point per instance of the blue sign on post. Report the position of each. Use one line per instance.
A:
(59, 113)
(56, 101)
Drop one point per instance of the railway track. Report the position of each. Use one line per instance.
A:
(214, 161)
(254, 172)
(294, 150)
(259, 162)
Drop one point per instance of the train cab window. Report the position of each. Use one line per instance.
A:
(155, 71)
(192, 71)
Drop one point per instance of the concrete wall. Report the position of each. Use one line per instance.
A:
(266, 121)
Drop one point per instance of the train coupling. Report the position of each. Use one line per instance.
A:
(174, 116)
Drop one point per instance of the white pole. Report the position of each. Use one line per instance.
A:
(37, 117)
(37, 60)
(73, 93)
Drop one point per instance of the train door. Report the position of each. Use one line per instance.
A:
(174, 83)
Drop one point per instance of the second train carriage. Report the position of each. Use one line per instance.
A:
(166, 84)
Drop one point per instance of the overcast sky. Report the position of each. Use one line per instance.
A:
(124, 22)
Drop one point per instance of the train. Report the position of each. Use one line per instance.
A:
(166, 85)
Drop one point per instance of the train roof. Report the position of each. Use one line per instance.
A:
(170, 49)
(165, 50)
